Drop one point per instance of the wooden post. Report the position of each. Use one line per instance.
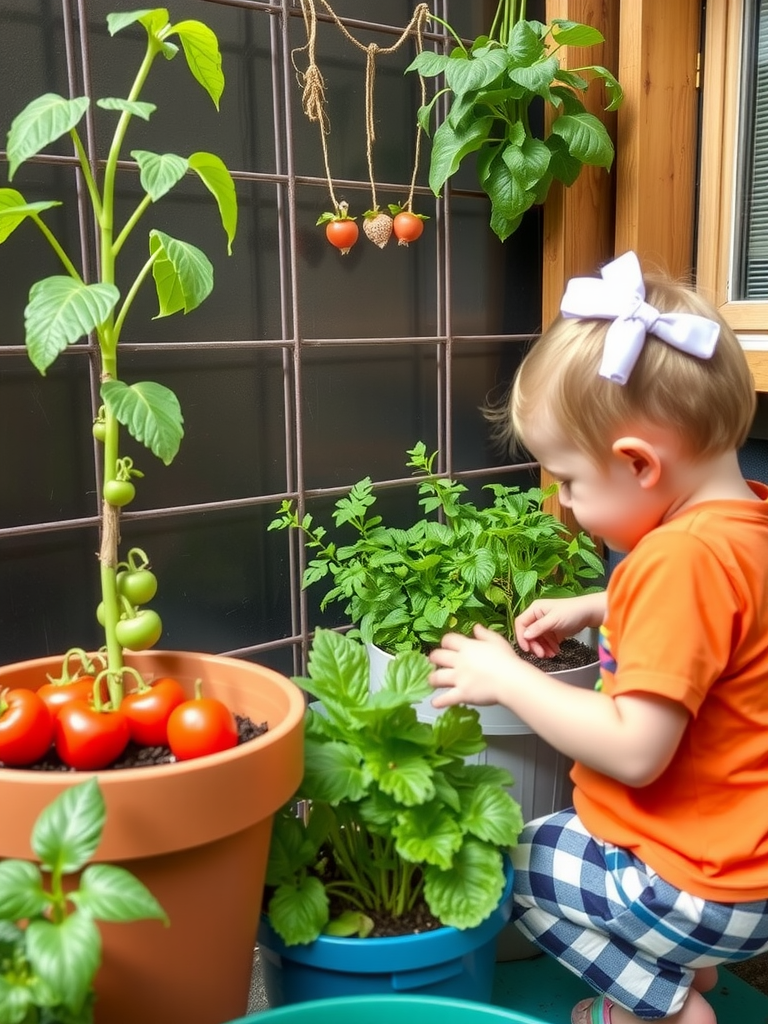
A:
(579, 221)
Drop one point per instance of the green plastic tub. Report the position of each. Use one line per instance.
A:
(387, 1009)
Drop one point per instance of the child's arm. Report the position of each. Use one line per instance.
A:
(632, 738)
(546, 622)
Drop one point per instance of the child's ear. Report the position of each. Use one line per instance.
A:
(641, 458)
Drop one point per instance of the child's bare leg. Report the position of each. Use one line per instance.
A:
(705, 979)
(695, 1011)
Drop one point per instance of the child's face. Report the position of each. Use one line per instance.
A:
(607, 500)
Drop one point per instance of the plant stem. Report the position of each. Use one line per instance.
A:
(109, 335)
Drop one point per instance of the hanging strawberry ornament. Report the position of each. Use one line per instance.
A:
(340, 229)
(407, 225)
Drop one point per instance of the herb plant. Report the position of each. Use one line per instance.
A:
(393, 814)
(50, 945)
(65, 308)
(458, 565)
(493, 89)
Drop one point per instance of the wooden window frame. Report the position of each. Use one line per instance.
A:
(718, 183)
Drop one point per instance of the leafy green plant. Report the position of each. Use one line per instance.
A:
(63, 309)
(404, 588)
(393, 814)
(492, 88)
(50, 945)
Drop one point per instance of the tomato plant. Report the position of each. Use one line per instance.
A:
(56, 695)
(88, 738)
(148, 709)
(139, 632)
(340, 229)
(201, 726)
(406, 225)
(26, 727)
(119, 492)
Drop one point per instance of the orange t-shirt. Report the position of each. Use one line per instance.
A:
(688, 620)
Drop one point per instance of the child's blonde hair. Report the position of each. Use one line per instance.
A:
(709, 402)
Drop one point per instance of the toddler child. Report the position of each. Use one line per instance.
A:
(637, 400)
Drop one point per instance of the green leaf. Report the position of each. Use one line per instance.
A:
(111, 893)
(41, 122)
(66, 955)
(219, 182)
(14, 210)
(428, 64)
(509, 198)
(153, 20)
(201, 48)
(139, 109)
(407, 675)
(338, 667)
(458, 733)
(333, 772)
(537, 78)
(525, 45)
(586, 138)
(298, 913)
(611, 83)
(21, 891)
(562, 164)
(159, 172)
(183, 274)
(527, 162)
(68, 831)
(450, 145)
(572, 33)
(349, 923)
(428, 835)
(463, 76)
(62, 310)
(150, 412)
(492, 815)
(465, 895)
(15, 1001)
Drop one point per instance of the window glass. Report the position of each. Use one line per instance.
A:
(751, 242)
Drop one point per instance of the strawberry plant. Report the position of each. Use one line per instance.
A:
(65, 308)
(50, 945)
(394, 815)
(492, 88)
(457, 565)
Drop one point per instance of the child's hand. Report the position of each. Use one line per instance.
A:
(545, 623)
(472, 671)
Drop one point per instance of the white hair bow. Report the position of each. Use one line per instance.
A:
(620, 296)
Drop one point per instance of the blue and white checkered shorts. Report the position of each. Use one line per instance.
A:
(609, 918)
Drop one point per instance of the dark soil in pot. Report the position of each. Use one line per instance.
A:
(135, 756)
(573, 654)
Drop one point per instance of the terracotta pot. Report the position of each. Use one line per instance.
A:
(196, 833)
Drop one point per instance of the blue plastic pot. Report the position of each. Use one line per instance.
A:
(445, 962)
(383, 1009)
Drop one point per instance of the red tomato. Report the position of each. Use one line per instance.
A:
(87, 739)
(201, 726)
(407, 227)
(56, 695)
(26, 727)
(148, 711)
(342, 233)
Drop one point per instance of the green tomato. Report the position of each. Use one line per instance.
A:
(100, 430)
(100, 616)
(137, 585)
(140, 632)
(119, 492)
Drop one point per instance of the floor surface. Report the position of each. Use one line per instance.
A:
(544, 990)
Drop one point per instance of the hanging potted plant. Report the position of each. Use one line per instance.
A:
(195, 832)
(392, 875)
(492, 89)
